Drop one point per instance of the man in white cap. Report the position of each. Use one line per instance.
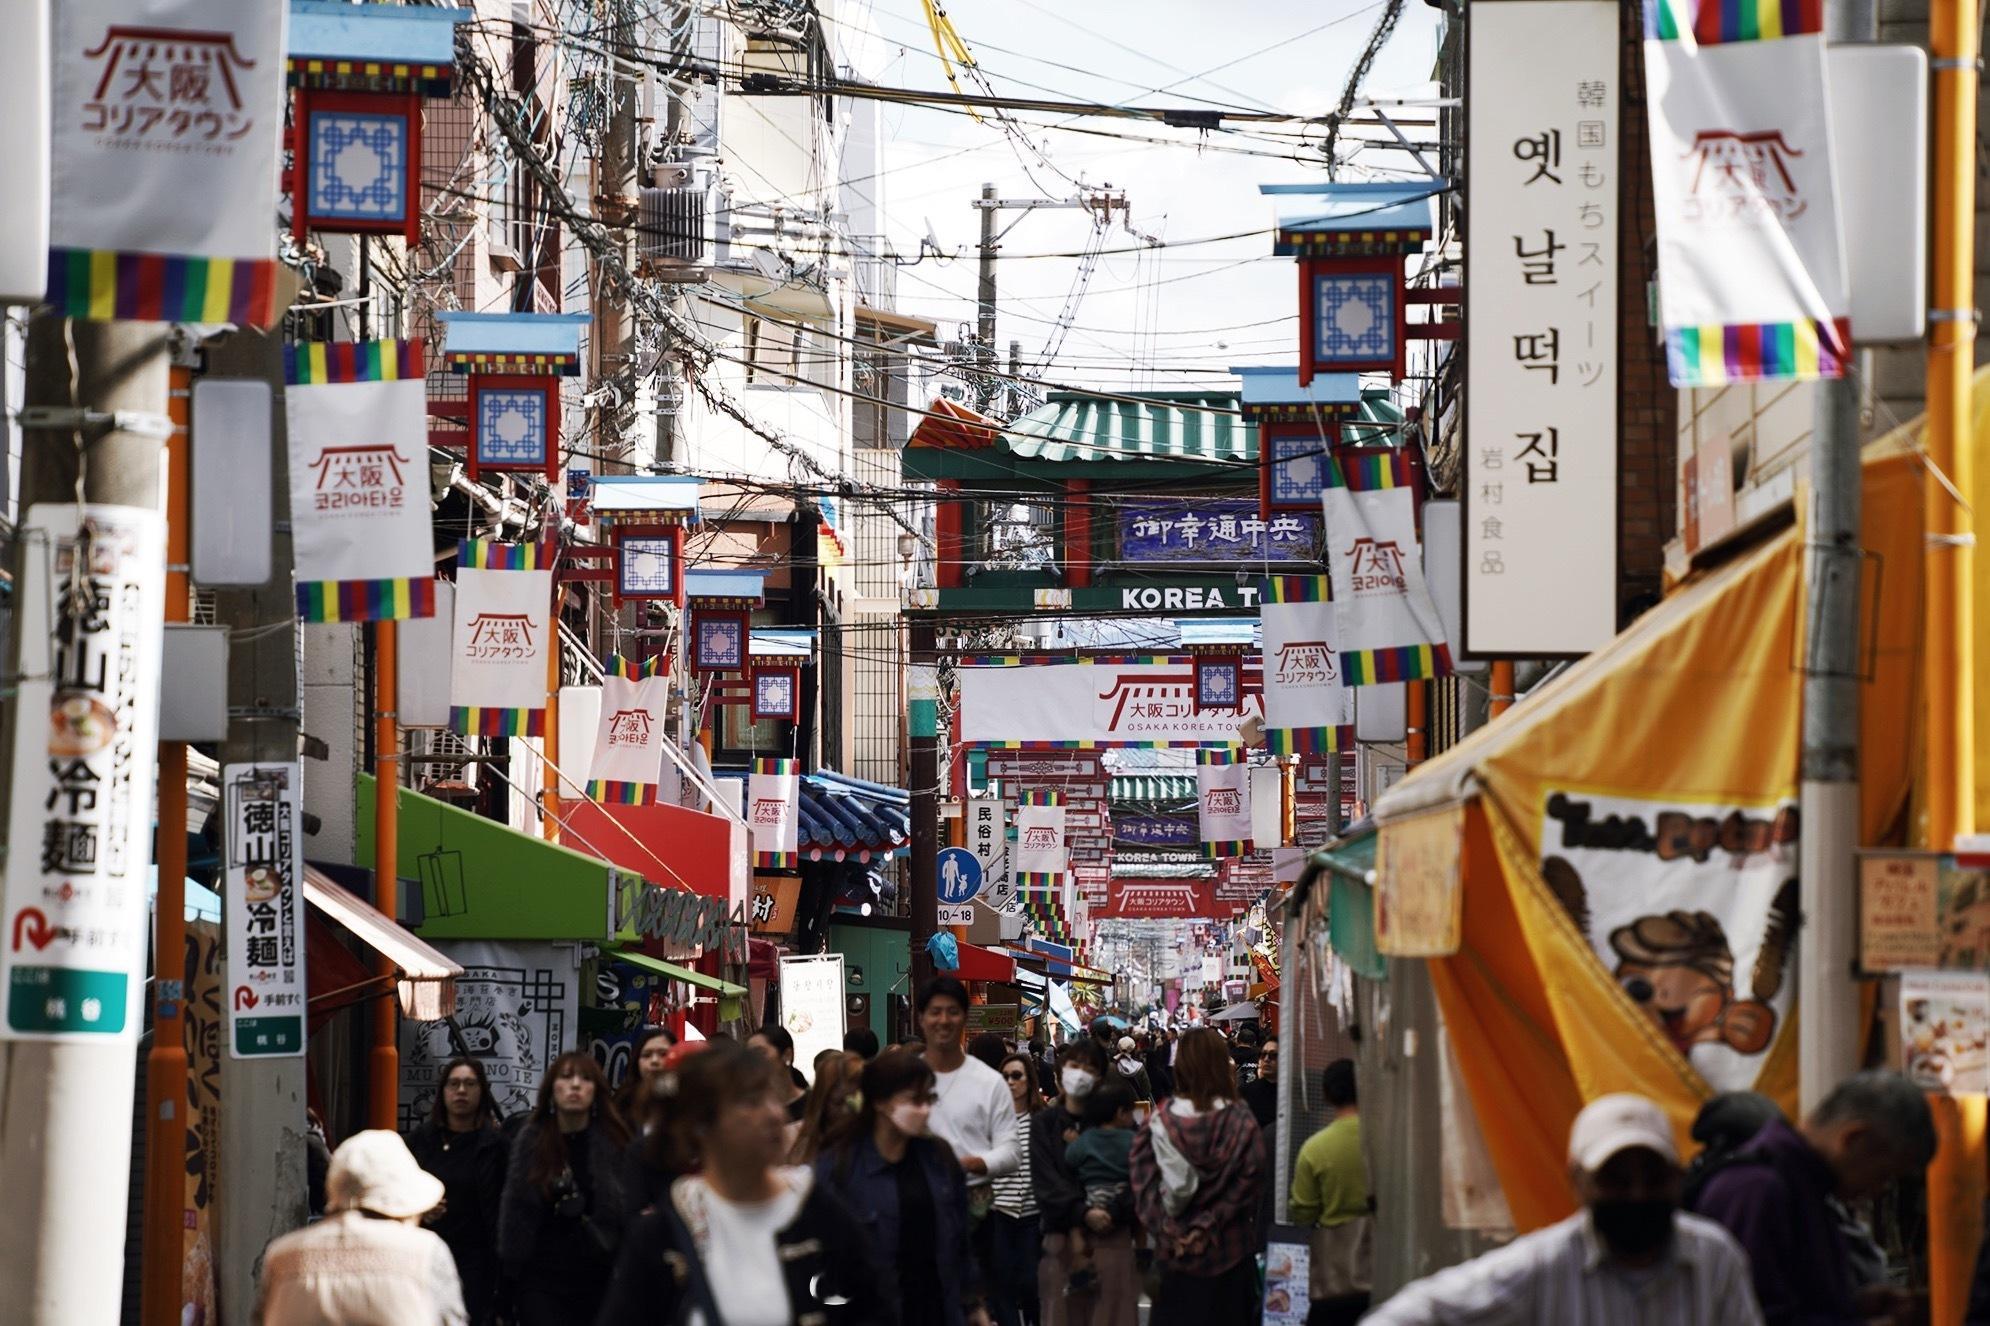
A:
(1132, 1069)
(369, 1262)
(1629, 1256)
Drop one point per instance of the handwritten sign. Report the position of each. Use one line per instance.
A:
(1899, 905)
(1418, 868)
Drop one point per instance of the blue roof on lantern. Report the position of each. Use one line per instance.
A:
(1277, 384)
(397, 34)
(1369, 205)
(725, 585)
(512, 333)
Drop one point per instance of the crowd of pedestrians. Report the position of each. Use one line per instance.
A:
(958, 1182)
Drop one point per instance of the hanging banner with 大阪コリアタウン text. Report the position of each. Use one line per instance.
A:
(628, 742)
(1042, 853)
(357, 424)
(1386, 623)
(1307, 708)
(90, 609)
(1541, 332)
(1136, 701)
(502, 645)
(167, 116)
(1752, 280)
(262, 814)
(1152, 531)
(773, 814)
(1223, 801)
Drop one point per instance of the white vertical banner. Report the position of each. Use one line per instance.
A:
(90, 613)
(262, 905)
(1041, 854)
(1387, 626)
(987, 838)
(1307, 708)
(628, 744)
(1541, 252)
(812, 1007)
(773, 797)
(1752, 284)
(1267, 806)
(1223, 801)
(503, 639)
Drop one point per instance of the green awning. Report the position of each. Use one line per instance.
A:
(732, 998)
(1351, 904)
(1157, 789)
(1167, 425)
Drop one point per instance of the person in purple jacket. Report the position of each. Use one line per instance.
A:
(1871, 1131)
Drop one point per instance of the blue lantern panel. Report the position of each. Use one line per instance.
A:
(1298, 469)
(511, 427)
(359, 166)
(1354, 319)
(774, 695)
(720, 643)
(648, 567)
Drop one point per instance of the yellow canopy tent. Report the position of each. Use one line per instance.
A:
(1631, 827)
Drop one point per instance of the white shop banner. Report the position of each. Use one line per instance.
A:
(517, 1010)
(359, 490)
(167, 116)
(1306, 708)
(1223, 801)
(90, 612)
(1692, 907)
(988, 839)
(1752, 282)
(627, 767)
(262, 905)
(812, 1005)
(1541, 332)
(1146, 703)
(1041, 854)
(773, 803)
(502, 645)
(1387, 626)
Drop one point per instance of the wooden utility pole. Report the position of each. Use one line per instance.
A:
(65, 1106)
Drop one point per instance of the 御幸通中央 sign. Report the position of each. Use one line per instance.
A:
(263, 907)
(90, 607)
(1214, 531)
(1541, 244)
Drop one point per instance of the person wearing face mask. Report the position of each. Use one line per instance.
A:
(908, 1191)
(1774, 1195)
(1060, 1196)
(1630, 1255)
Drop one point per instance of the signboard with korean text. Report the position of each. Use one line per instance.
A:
(988, 839)
(72, 955)
(1919, 909)
(1137, 701)
(262, 905)
(771, 910)
(1541, 251)
(812, 1003)
(167, 116)
(1214, 531)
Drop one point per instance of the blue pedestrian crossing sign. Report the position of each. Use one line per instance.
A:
(960, 875)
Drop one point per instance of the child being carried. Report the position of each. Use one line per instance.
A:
(1099, 1157)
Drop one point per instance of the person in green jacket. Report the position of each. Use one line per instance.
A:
(1330, 1196)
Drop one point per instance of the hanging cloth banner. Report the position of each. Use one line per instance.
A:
(1387, 623)
(503, 642)
(1306, 709)
(164, 162)
(773, 798)
(357, 415)
(1042, 854)
(1223, 801)
(1752, 283)
(628, 743)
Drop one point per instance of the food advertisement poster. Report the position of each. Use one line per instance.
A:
(1944, 1025)
(812, 1005)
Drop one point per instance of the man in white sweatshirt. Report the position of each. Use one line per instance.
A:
(974, 1111)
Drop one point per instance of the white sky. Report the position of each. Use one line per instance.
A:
(1163, 308)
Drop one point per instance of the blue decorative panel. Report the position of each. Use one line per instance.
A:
(720, 642)
(1354, 318)
(1298, 469)
(359, 166)
(511, 427)
(774, 695)
(646, 568)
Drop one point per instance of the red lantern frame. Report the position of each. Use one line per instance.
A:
(794, 675)
(1313, 267)
(695, 649)
(547, 389)
(406, 105)
(670, 534)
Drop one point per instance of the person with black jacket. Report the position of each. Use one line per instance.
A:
(739, 1239)
(564, 1206)
(1060, 1197)
(461, 1144)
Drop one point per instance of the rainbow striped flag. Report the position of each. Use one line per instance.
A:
(1386, 625)
(1716, 355)
(316, 363)
(1366, 471)
(505, 638)
(490, 555)
(365, 600)
(470, 721)
(1040, 815)
(99, 286)
(1718, 22)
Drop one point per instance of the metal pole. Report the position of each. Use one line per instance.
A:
(925, 788)
(65, 1108)
(384, 1065)
(1500, 685)
(163, 1250)
(984, 350)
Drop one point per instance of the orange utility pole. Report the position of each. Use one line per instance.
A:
(384, 1075)
(1500, 685)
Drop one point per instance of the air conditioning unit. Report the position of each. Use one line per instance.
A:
(674, 229)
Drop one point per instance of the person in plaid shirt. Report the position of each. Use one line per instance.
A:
(1198, 1177)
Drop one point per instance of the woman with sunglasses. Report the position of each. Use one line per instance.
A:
(1015, 1234)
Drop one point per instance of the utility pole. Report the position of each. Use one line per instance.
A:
(262, 1113)
(65, 1106)
(923, 740)
(1100, 202)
